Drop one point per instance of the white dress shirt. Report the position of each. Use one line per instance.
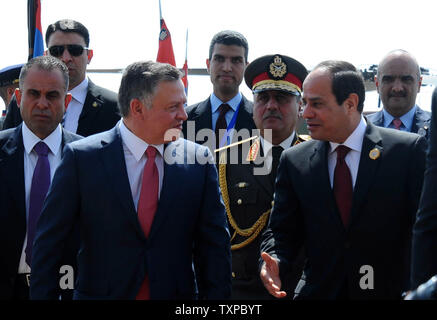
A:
(54, 142)
(355, 143)
(74, 108)
(266, 145)
(134, 150)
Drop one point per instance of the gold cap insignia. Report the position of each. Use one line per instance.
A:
(253, 151)
(277, 69)
(94, 104)
(374, 154)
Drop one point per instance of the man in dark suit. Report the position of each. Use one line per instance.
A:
(247, 185)
(226, 112)
(398, 82)
(349, 196)
(42, 97)
(142, 235)
(424, 261)
(93, 109)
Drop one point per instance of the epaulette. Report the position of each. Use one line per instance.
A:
(302, 138)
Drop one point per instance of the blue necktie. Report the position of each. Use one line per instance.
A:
(38, 191)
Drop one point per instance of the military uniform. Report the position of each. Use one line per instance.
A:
(9, 76)
(248, 196)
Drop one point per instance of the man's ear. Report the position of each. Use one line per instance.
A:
(18, 96)
(207, 66)
(351, 102)
(90, 55)
(136, 108)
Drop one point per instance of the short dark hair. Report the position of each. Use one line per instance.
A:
(346, 79)
(68, 25)
(140, 80)
(229, 37)
(47, 63)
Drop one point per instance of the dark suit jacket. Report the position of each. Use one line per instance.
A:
(250, 196)
(421, 122)
(12, 204)
(424, 260)
(201, 114)
(189, 228)
(100, 112)
(385, 201)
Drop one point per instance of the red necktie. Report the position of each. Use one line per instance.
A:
(221, 123)
(397, 123)
(343, 185)
(147, 205)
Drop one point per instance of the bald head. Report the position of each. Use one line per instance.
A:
(398, 81)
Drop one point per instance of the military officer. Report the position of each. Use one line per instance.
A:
(248, 169)
(8, 83)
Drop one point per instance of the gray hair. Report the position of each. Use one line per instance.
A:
(140, 80)
(46, 63)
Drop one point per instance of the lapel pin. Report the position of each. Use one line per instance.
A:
(95, 104)
(374, 154)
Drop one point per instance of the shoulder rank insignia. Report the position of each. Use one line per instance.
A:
(253, 151)
(302, 138)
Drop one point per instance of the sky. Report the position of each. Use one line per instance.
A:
(311, 31)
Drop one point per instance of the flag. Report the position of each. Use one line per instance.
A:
(185, 76)
(165, 51)
(35, 39)
(185, 67)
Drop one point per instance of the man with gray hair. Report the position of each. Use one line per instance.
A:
(142, 235)
(398, 82)
(29, 156)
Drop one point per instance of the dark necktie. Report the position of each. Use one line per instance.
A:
(397, 123)
(276, 154)
(147, 205)
(343, 185)
(38, 190)
(221, 123)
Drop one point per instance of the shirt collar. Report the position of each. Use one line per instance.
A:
(79, 92)
(53, 140)
(233, 103)
(355, 140)
(136, 145)
(407, 119)
(284, 144)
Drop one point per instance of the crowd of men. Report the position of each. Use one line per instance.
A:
(142, 197)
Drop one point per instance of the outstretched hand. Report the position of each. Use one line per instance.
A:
(270, 275)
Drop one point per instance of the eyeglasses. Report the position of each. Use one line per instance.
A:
(74, 49)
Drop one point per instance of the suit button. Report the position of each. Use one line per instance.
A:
(239, 201)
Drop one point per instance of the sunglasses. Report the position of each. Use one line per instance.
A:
(74, 49)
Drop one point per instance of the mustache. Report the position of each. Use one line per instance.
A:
(401, 94)
(273, 114)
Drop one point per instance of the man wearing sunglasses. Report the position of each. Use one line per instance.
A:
(93, 109)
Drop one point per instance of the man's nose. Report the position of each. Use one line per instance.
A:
(307, 113)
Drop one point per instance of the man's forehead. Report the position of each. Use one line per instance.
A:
(60, 37)
(228, 50)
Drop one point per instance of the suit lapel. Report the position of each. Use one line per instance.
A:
(91, 106)
(170, 187)
(421, 123)
(371, 156)
(112, 156)
(320, 181)
(244, 117)
(14, 161)
(203, 116)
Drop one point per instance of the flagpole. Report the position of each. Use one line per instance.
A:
(186, 46)
(160, 11)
